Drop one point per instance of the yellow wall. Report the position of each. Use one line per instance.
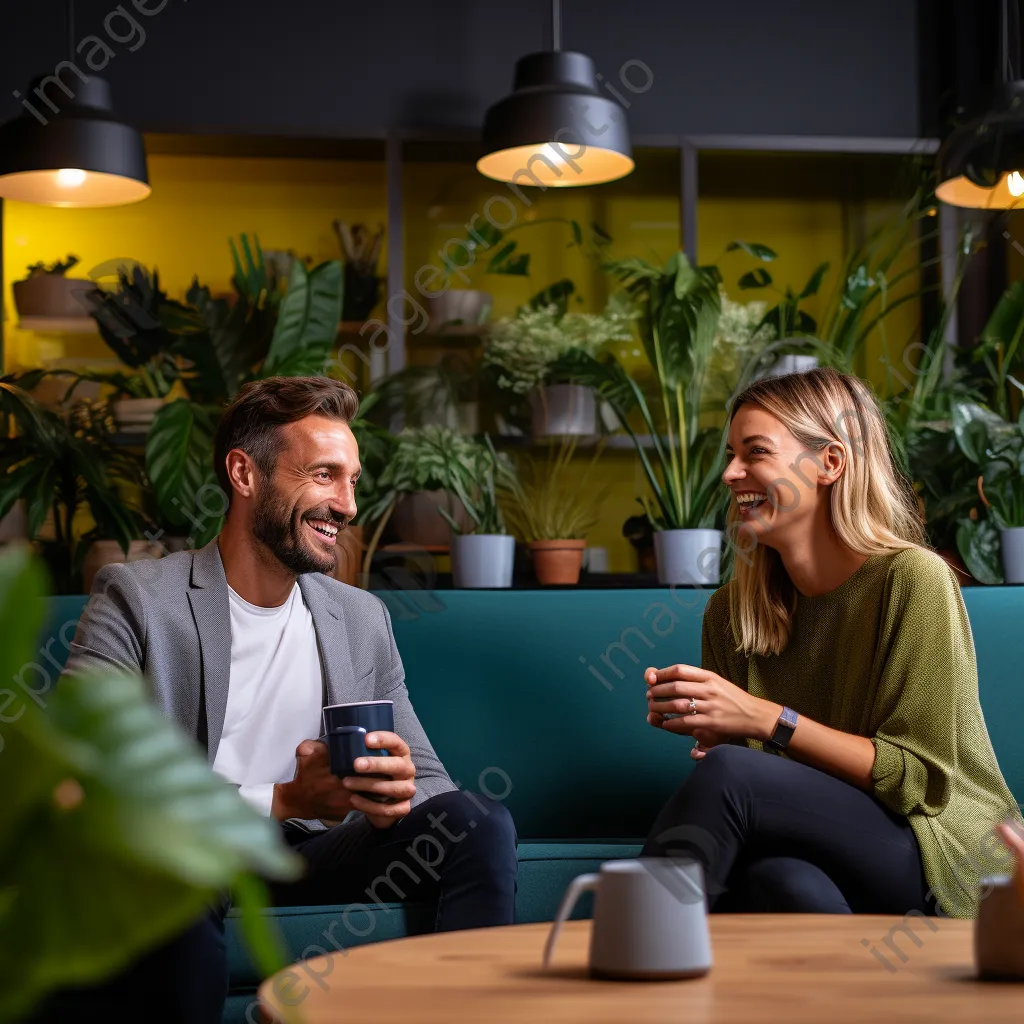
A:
(197, 204)
(804, 234)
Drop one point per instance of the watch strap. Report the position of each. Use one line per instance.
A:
(784, 729)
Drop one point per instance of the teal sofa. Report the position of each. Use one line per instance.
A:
(537, 699)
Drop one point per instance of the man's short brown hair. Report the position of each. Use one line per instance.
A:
(251, 423)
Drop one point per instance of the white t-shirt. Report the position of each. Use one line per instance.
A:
(275, 696)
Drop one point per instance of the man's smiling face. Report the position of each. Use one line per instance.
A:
(310, 496)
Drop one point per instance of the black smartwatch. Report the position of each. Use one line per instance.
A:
(784, 729)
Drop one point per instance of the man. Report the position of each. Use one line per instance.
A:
(245, 641)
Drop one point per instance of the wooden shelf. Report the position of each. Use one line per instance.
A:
(59, 324)
(351, 326)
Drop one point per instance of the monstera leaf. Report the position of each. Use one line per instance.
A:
(307, 321)
(179, 463)
(114, 833)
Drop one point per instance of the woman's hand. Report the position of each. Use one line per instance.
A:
(712, 709)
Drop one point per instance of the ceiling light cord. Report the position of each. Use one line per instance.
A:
(70, 7)
(556, 25)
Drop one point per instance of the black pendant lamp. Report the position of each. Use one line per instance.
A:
(80, 154)
(981, 165)
(556, 129)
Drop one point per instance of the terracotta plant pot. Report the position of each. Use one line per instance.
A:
(417, 521)
(557, 562)
(107, 552)
(51, 295)
(350, 555)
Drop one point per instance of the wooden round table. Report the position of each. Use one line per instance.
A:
(802, 969)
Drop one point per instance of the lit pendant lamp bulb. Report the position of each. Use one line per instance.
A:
(556, 129)
(980, 164)
(82, 155)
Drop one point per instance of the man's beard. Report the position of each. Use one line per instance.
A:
(276, 526)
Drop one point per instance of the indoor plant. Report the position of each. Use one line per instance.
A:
(260, 335)
(360, 250)
(524, 352)
(545, 506)
(463, 306)
(49, 292)
(132, 320)
(114, 834)
(485, 556)
(60, 464)
(413, 485)
(678, 307)
(996, 447)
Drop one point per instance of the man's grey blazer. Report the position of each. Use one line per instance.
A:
(169, 619)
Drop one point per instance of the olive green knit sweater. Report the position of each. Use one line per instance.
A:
(889, 655)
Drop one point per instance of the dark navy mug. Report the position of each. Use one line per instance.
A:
(346, 727)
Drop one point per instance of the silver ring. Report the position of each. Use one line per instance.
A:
(693, 706)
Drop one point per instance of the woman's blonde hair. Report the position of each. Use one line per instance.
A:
(873, 506)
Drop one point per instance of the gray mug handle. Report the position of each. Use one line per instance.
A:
(577, 887)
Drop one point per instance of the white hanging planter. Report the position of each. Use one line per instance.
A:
(1012, 544)
(563, 410)
(459, 308)
(688, 557)
(482, 560)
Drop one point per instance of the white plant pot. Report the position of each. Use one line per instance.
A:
(1012, 543)
(482, 560)
(690, 557)
(563, 410)
(135, 415)
(459, 307)
(792, 364)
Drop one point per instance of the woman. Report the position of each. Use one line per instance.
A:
(842, 644)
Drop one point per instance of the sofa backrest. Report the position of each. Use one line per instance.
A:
(537, 697)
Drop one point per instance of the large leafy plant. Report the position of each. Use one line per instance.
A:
(114, 833)
(60, 464)
(678, 308)
(995, 447)
(299, 331)
(141, 326)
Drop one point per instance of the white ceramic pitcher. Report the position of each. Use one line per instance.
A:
(650, 919)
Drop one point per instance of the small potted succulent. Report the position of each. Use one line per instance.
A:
(49, 292)
(524, 353)
(546, 506)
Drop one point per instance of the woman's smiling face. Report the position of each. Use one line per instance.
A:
(775, 481)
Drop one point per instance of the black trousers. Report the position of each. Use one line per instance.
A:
(776, 836)
(457, 850)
